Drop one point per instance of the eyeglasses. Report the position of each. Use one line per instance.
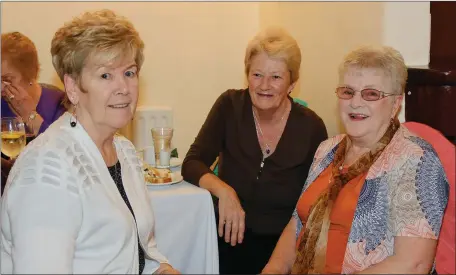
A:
(366, 94)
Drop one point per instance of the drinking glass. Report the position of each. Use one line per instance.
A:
(13, 136)
(162, 145)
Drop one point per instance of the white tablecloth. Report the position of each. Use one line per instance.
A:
(185, 227)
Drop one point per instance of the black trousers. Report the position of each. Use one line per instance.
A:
(250, 257)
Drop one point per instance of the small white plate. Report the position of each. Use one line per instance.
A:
(175, 162)
(176, 177)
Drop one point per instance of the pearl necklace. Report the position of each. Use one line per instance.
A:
(260, 131)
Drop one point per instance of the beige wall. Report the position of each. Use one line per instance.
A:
(194, 51)
(407, 27)
(325, 32)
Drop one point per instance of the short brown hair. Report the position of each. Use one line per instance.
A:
(102, 35)
(276, 43)
(20, 52)
(384, 58)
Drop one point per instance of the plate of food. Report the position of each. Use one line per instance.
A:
(160, 176)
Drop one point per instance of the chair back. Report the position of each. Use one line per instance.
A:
(445, 256)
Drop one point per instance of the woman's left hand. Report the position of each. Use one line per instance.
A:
(166, 269)
(19, 100)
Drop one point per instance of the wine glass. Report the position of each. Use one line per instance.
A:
(13, 136)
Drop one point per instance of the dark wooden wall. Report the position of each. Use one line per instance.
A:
(430, 96)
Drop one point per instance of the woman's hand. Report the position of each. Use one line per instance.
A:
(231, 216)
(166, 269)
(19, 100)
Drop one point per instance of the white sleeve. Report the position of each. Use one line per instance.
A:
(45, 214)
(151, 265)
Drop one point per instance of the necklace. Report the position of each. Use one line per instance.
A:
(260, 132)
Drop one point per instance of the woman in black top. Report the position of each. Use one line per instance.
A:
(265, 143)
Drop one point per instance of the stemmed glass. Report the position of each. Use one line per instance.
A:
(13, 136)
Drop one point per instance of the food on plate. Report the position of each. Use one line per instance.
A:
(157, 175)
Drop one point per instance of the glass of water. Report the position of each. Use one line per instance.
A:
(162, 144)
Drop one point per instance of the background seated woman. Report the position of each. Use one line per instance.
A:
(38, 105)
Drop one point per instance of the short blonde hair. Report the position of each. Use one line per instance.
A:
(101, 35)
(384, 58)
(276, 43)
(20, 52)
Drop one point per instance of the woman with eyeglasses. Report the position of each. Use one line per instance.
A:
(374, 198)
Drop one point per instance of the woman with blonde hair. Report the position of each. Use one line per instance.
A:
(374, 198)
(76, 201)
(265, 143)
